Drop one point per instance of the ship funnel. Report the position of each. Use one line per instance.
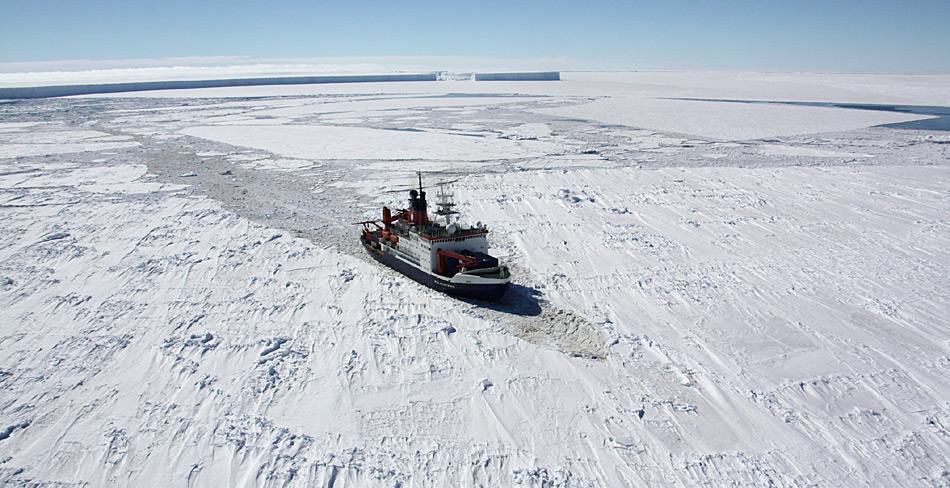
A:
(423, 209)
(417, 205)
(387, 218)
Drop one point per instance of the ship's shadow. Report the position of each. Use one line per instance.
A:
(518, 300)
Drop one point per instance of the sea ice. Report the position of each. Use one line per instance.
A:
(693, 305)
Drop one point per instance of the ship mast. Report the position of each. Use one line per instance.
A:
(446, 205)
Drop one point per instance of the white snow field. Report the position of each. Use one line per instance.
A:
(706, 294)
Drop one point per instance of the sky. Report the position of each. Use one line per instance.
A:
(827, 36)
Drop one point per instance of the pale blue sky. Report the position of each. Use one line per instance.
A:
(842, 36)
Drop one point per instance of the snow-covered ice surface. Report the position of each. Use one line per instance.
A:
(328, 142)
(25, 139)
(697, 302)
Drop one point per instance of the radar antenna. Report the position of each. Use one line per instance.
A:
(446, 204)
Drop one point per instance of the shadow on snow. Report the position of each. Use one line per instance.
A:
(518, 300)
